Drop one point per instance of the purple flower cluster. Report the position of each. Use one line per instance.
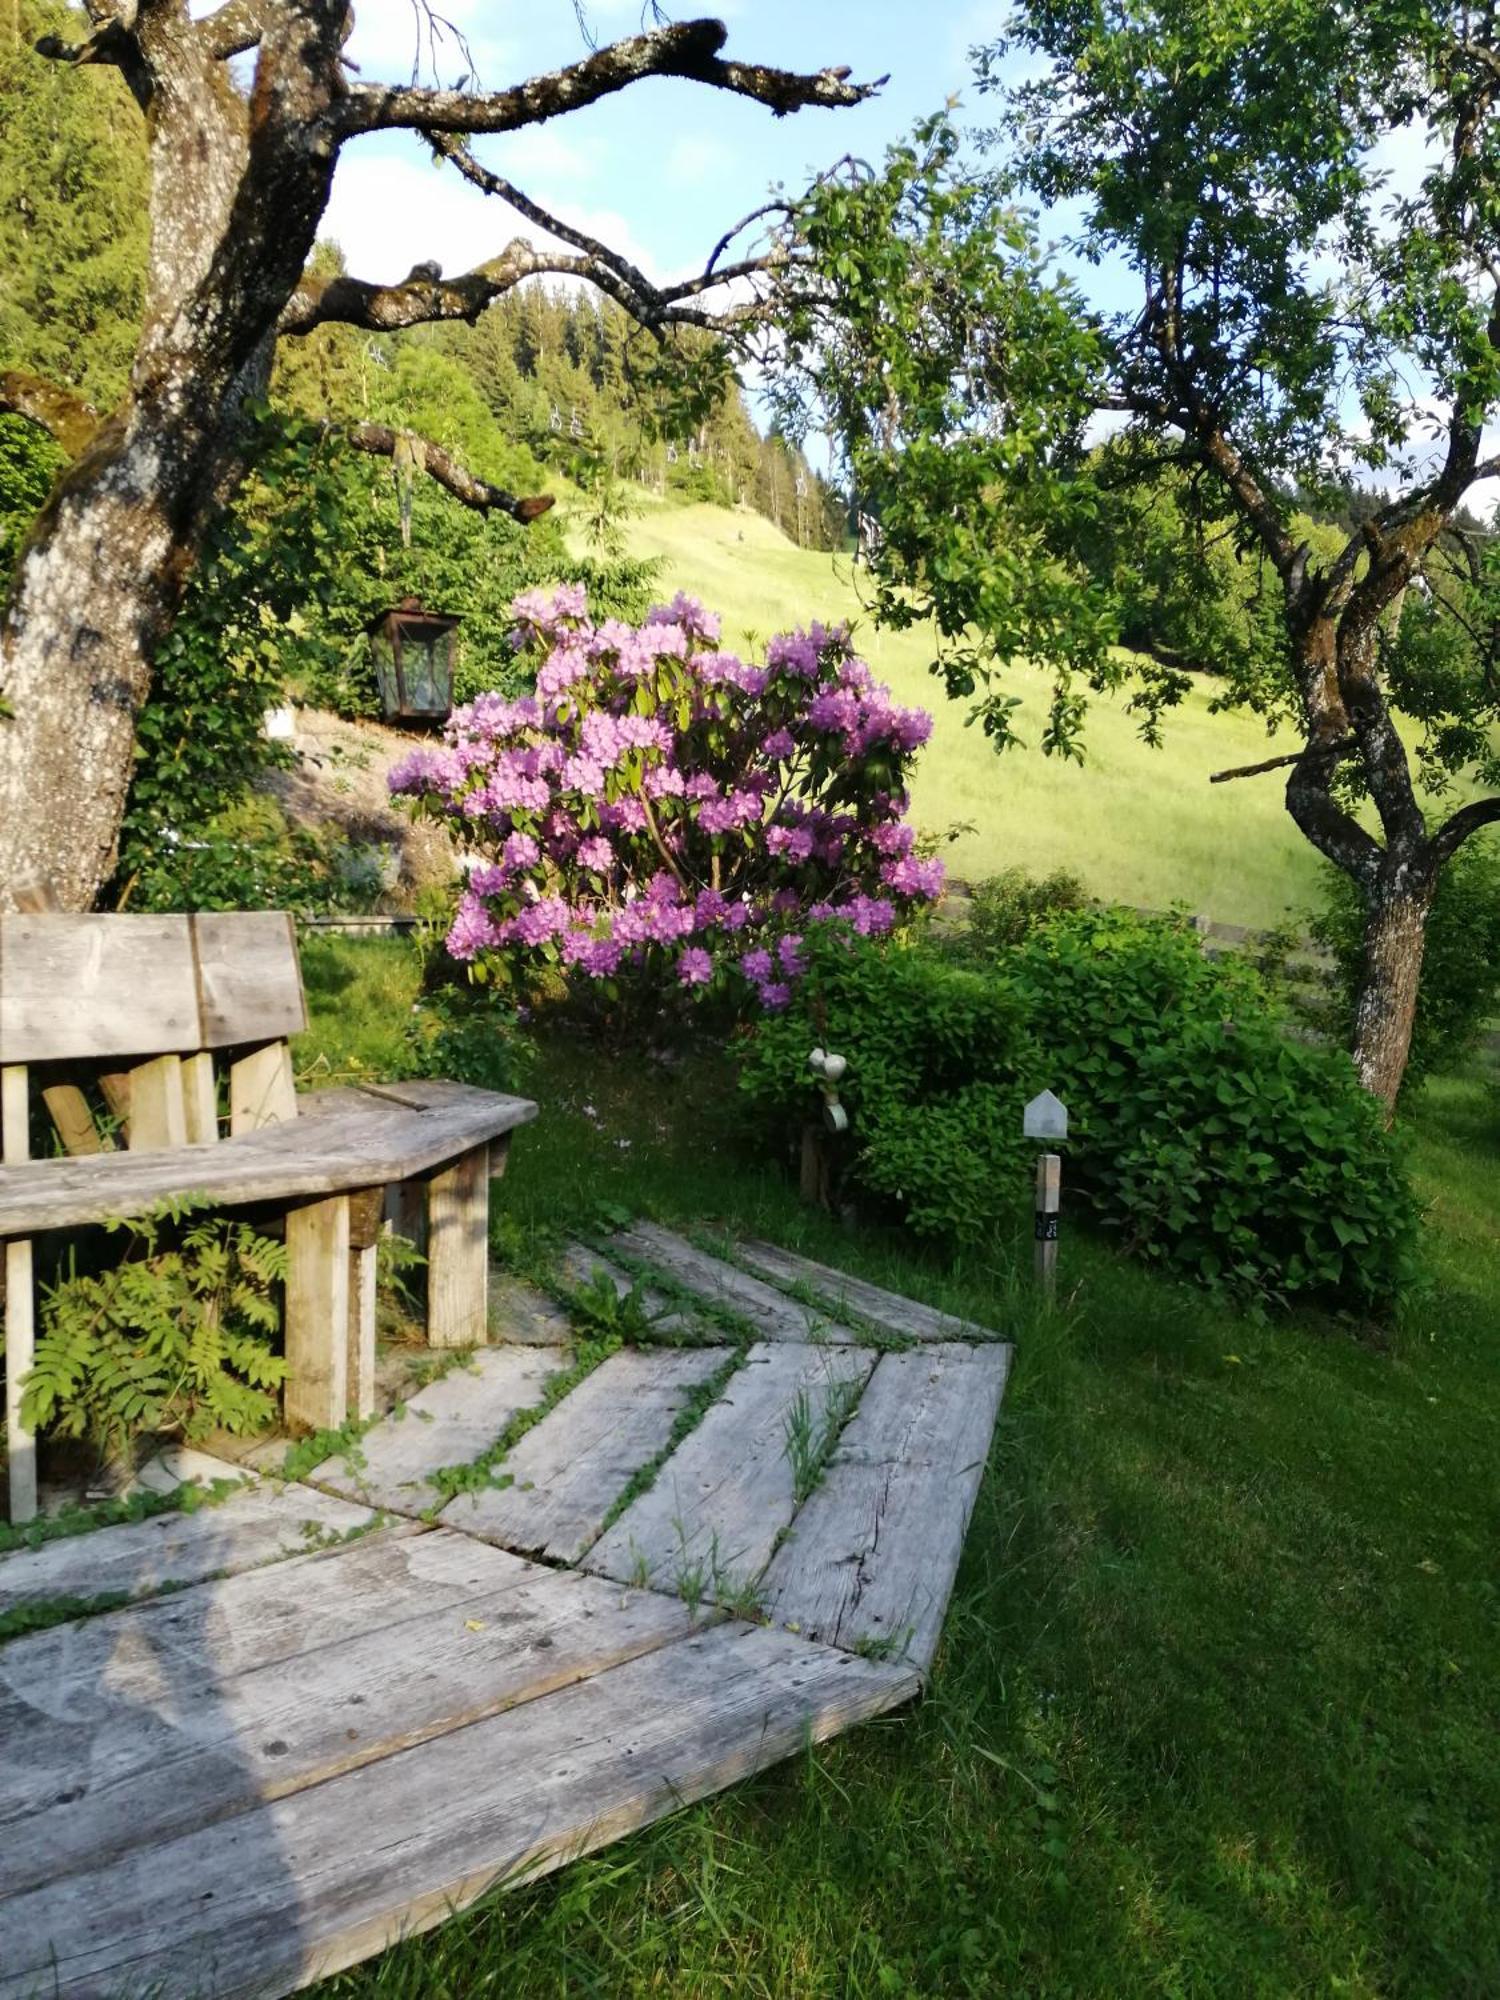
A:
(660, 803)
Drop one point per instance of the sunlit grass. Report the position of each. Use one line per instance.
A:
(1140, 826)
(1213, 1713)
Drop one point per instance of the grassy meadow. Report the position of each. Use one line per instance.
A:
(1214, 1712)
(1140, 826)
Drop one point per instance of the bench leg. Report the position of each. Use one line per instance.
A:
(317, 1315)
(20, 1346)
(366, 1212)
(458, 1252)
(362, 1333)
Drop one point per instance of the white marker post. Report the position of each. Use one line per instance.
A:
(1046, 1118)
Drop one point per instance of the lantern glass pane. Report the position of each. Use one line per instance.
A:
(384, 654)
(419, 658)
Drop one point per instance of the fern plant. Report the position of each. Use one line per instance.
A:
(179, 1338)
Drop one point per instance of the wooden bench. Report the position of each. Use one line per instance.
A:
(157, 1048)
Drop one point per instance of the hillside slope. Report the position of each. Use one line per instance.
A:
(1141, 826)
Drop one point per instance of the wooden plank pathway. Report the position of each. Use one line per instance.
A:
(570, 1469)
(716, 1509)
(139, 1558)
(886, 1310)
(873, 1555)
(332, 1715)
(771, 1313)
(451, 1422)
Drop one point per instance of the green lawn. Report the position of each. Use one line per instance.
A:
(1215, 1708)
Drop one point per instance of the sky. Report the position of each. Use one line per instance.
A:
(659, 171)
(663, 168)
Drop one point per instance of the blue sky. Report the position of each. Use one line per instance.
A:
(660, 170)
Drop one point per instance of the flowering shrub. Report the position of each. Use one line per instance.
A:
(662, 806)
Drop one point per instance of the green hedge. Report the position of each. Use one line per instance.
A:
(1199, 1132)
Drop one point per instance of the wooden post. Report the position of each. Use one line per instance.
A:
(158, 1115)
(317, 1315)
(20, 1306)
(261, 1089)
(1048, 1202)
(815, 1177)
(201, 1099)
(458, 1252)
(364, 1233)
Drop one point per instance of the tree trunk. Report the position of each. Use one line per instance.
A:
(95, 592)
(1386, 1003)
(237, 191)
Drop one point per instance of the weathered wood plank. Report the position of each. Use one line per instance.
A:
(73, 1121)
(450, 1422)
(262, 1091)
(316, 1395)
(567, 1471)
(519, 1312)
(458, 1252)
(270, 1900)
(361, 1364)
(114, 1088)
(771, 1313)
(149, 1746)
(883, 1309)
(872, 1555)
(254, 1617)
(138, 1557)
(201, 1099)
(158, 1111)
(727, 1492)
(352, 1141)
(20, 1304)
(84, 987)
(584, 1267)
(249, 979)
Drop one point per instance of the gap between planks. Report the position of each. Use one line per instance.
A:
(872, 1556)
(566, 1473)
(715, 1510)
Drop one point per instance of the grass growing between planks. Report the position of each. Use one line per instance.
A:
(1214, 1708)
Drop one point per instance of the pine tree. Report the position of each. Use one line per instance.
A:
(73, 205)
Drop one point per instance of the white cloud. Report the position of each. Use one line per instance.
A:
(392, 38)
(695, 158)
(538, 156)
(392, 210)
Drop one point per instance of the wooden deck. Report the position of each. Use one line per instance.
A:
(318, 1727)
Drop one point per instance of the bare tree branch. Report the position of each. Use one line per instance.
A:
(1451, 836)
(1275, 763)
(688, 49)
(381, 441)
(110, 44)
(651, 304)
(67, 417)
(454, 150)
(236, 28)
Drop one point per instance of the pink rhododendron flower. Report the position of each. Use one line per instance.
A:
(644, 810)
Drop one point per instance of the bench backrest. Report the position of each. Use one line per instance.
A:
(133, 1010)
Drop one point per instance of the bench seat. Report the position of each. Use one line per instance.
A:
(158, 1048)
(341, 1140)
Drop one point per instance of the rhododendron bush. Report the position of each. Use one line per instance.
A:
(663, 807)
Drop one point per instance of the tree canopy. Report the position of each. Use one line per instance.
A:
(1295, 314)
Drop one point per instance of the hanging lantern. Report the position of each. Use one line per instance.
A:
(414, 652)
